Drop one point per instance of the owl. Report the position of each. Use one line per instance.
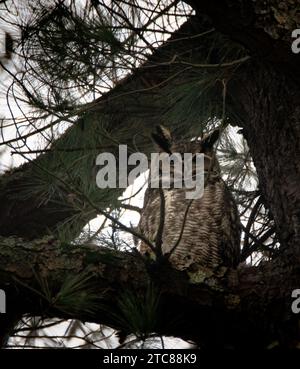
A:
(202, 232)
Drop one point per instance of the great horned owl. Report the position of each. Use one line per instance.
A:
(204, 231)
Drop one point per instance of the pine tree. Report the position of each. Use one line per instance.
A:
(83, 78)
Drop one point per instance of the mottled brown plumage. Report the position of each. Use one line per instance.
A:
(210, 234)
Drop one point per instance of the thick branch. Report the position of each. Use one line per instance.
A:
(29, 198)
(205, 307)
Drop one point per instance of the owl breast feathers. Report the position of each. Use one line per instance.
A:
(200, 232)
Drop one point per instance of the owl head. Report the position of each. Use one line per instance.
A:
(167, 143)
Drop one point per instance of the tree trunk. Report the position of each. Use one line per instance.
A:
(271, 102)
(266, 94)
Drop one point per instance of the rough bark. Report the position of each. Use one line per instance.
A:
(254, 308)
(272, 130)
(267, 96)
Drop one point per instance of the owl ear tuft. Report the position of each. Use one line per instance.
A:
(163, 138)
(211, 139)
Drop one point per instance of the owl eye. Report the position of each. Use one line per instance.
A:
(210, 140)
